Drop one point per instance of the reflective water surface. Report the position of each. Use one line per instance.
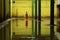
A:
(19, 29)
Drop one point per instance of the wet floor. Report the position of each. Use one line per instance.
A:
(20, 32)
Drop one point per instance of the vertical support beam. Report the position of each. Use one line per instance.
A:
(9, 8)
(35, 18)
(4, 18)
(1, 19)
(39, 19)
(2, 34)
(1, 6)
(4, 9)
(10, 21)
(52, 19)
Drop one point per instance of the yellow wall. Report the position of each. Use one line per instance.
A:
(23, 6)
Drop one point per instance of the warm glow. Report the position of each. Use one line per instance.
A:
(23, 6)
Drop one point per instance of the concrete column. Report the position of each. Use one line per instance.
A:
(1, 10)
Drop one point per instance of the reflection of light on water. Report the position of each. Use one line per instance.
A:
(27, 37)
(21, 29)
(16, 22)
